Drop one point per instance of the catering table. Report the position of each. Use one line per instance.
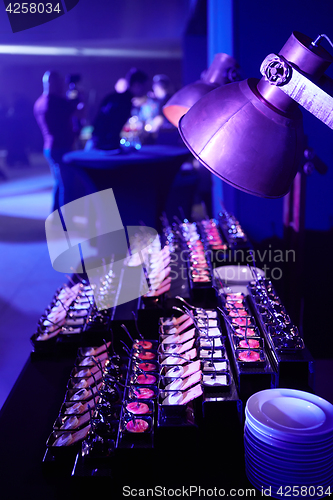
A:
(26, 421)
(141, 179)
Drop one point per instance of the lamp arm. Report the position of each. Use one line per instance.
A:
(280, 72)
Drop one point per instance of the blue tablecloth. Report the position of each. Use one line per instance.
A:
(141, 180)
(98, 159)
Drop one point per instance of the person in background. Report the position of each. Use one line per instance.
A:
(115, 110)
(53, 113)
(157, 128)
(75, 93)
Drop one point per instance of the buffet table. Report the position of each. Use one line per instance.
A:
(189, 444)
(27, 418)
(141, 179)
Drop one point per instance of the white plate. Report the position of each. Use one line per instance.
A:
(291, 415)
(293, 447)
(289, 452)
(294, 460)
(266, 481)
(237, 274)
(272, 466)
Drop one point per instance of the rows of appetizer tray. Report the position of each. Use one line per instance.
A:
(72, 312)
(256, 336)
(232, 230)
(116, 401)
(282, 334)
(112, 398)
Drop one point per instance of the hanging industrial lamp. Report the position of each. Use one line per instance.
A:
(224, 69)
(250, 133)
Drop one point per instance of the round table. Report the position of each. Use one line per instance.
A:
(141, 179)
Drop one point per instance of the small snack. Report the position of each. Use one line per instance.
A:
(137, 408)
(80, 395)
(64, 440)
(173, 398)
(70, 423)
(235, 296)
(215, 380)
(232, 304)
(182, 398)
(242, 321)
(179, 339)
(217, 366)
(182, 384)
(93, 351)
(249, 356)
(183, 371)
(143, 393)
(240, 332)
(147, 367)
(146, 379)
(70, 438)
(235, 313)
(178, 358)
(253, 343)
(138, 425)
(201, 279)
(69, 330)
(144, 344)
(47, 334)
(74, 408)
(89, 360)
(208, 343)
(212, 353)
(146, 355)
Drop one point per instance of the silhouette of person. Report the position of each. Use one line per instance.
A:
(115, 110)
(158, 129)
(53, 113)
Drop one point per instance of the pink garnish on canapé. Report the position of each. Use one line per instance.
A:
(146, 379)
(250, 343)
(139, 425)
(201, 278)
(240, 332)
(234, 304)
(143, 393)
(146, 355)
(138, 408)
(144, 344)
(249, 356)
(239, 312)
(240, 321)
(147, 367)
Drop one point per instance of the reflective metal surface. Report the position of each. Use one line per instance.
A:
(224, 69)
(250, 133)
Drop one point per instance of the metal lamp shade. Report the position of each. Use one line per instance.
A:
(243, 141)
(224, 69)
(250, 133)
(183, 100)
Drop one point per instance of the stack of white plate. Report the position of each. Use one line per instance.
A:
(288, 441)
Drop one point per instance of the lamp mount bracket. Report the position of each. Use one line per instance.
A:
(277, 71)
